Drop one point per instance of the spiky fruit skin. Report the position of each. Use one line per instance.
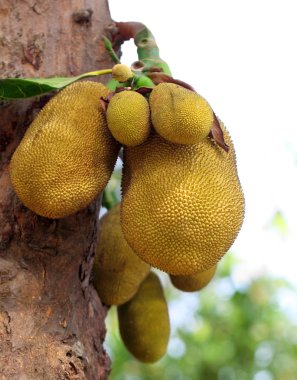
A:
(193, 282)
(67, 155)
(118, 271)
(121, 72)
(128, 118)
(144, 321)
(179, 115)
(184, 211)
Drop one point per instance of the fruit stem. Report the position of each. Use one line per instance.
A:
(96, 73)
(109, 48)
(148, 51)
(147, 48)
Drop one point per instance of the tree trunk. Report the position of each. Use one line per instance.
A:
(51, 319)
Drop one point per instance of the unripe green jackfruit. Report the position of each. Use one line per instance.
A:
(118, 271)
(182, 205)
(179, 115)
(67, 155)
(144, 321)
(128, 118)
(193, 282)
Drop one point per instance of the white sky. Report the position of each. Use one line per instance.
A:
(241, 56)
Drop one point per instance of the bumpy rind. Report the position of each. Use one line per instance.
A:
(67, 155)
(182, 205)
(118, 271)
(144, 321)
(128, 118)
(121, 72)
(179, 115)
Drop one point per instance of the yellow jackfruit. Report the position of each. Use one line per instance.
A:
(121, 72)
(144, 321)
(193, 282)
(118, 271)
(128, 118)
(182, 205)
(179, 115)
(67, 154)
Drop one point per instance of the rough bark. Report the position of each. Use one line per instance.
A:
(51, 320)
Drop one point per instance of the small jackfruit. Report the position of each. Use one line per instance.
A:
(67, 155)
(193, 282)
(182, 205)
(118, 271)
(121, 72)
(179, 115)
(144, 321)
(128, 118)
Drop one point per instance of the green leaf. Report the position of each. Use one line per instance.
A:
(110, 196)
(109, 199)
(21, 88)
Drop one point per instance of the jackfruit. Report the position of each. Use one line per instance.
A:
(67, 155)
(193, 282)
(121, 72)
(179, 115)
(128, 118)
(118, 271)
(182, 205)
(144, 321)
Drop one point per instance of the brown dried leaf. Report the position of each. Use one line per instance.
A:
(159, 77)
(155, 69)
(104, 103)
(144, 90)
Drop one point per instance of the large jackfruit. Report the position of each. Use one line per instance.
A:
(193, 282)
(67, 154)
(179, 115)
(118, 271)
(144, 321)
(182, 205)
(128, 118)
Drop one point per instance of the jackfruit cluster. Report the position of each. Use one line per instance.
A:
(182, 204)
(118, 271)
(181, 192)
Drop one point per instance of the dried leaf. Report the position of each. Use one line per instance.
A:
(144, 90)
(159, 77)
